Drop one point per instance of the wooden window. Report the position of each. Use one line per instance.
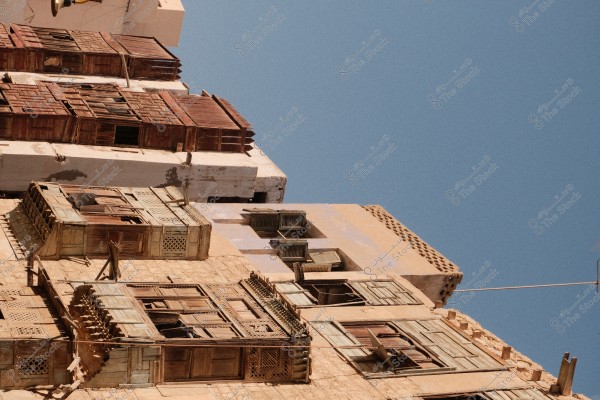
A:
(333, 293)
(242, 309)
(401, 352)
(291, 220)
(384, 292)
(268, 223)
(405, 347)
(381, 292)
(188, 364)
(291, 250)
(377, 348)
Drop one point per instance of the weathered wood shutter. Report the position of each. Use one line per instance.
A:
(452, 348)
(384, 292)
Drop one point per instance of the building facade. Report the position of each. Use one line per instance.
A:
(100, 108)
(297, 301)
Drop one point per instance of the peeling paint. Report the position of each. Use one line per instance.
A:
(172, 178)
(67, 175)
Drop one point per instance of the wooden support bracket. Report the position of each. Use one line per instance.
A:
(564, 383)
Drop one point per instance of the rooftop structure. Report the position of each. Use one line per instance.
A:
(320, 323)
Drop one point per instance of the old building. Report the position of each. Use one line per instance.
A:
(325, 300)
(99, 108)
(115, 284)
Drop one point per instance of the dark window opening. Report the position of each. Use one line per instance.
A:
(62, 36)
(127, 135)
(154, 304)
(295, 251)
(333, 293)
(131, 220)
(259, 197)
(1, 315)
(176, 330)
(272, 224)
(68, 107)
(392, 349)
(219, 199)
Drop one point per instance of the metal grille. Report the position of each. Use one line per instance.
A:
(34, 366)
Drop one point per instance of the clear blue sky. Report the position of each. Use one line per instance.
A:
(475, 123)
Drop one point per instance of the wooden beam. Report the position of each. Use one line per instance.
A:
(564, 383)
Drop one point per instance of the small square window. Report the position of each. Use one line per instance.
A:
(127, 135)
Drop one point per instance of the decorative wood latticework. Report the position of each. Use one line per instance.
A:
(34, 346)
(199, 332)
(143, 222)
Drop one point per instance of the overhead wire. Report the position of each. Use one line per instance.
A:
(543, 285)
